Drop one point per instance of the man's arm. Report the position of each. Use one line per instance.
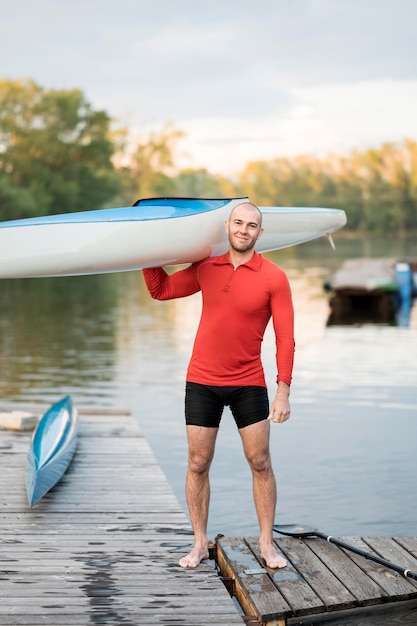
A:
(163, 286)
(283, 321)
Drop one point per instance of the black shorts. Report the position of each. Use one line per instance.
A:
(204, 404)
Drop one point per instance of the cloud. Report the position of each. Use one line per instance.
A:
(246, 80)
(366, 111)
(321, 120)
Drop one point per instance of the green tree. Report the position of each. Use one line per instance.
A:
(151, 169)
(55, 152)
(377, 188)
(191, 183)
(14, 202)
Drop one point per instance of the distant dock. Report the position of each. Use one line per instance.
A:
(380, 290)
(102, 547)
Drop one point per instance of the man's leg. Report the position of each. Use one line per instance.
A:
(201, 444)
(255, 438)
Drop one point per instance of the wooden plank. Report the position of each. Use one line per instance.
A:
(391, 550)
(389, 590)
(290, 583)
(103, 545)
(393, 584)
(360, 585)
(328, 587)
(132, 614)
(255, 591)
(409, 544)
(100, 521)
(396, 614)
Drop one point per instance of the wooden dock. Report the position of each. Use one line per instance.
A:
(102, 547)
(322, 583)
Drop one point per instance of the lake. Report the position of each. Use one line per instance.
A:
(346, 460)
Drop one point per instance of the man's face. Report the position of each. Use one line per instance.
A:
(244, 227)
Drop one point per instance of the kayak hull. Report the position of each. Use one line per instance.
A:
(51, 450)
(159, 233)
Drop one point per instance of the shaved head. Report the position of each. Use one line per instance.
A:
(248, 205)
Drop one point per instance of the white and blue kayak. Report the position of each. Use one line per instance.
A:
(154, 232)
(52, 448)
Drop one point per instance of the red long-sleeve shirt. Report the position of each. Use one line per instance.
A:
(237, 305)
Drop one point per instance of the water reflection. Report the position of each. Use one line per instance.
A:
(345, 461)
(56, 334)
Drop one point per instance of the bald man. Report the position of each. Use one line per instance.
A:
(241, 292)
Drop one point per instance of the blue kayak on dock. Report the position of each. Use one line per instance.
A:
(52, 448)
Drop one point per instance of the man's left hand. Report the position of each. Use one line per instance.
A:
(280, 408)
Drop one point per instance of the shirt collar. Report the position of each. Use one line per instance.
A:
(254, 263)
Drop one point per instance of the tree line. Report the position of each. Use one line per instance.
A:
(59, 155)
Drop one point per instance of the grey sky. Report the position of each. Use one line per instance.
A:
(244, 79)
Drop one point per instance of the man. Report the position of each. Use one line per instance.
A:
(241, 291)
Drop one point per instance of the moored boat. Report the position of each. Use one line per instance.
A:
(368, 289)
(51, 449)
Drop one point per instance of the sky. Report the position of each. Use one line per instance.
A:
(245, 80)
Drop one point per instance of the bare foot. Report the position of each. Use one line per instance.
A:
(272, 558)
(194, 558)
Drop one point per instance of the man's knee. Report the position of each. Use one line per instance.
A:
(260, 462)
(199, 463)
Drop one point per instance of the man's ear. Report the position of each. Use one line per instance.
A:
(261, 230)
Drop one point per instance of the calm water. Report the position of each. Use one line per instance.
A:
(345, 462)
